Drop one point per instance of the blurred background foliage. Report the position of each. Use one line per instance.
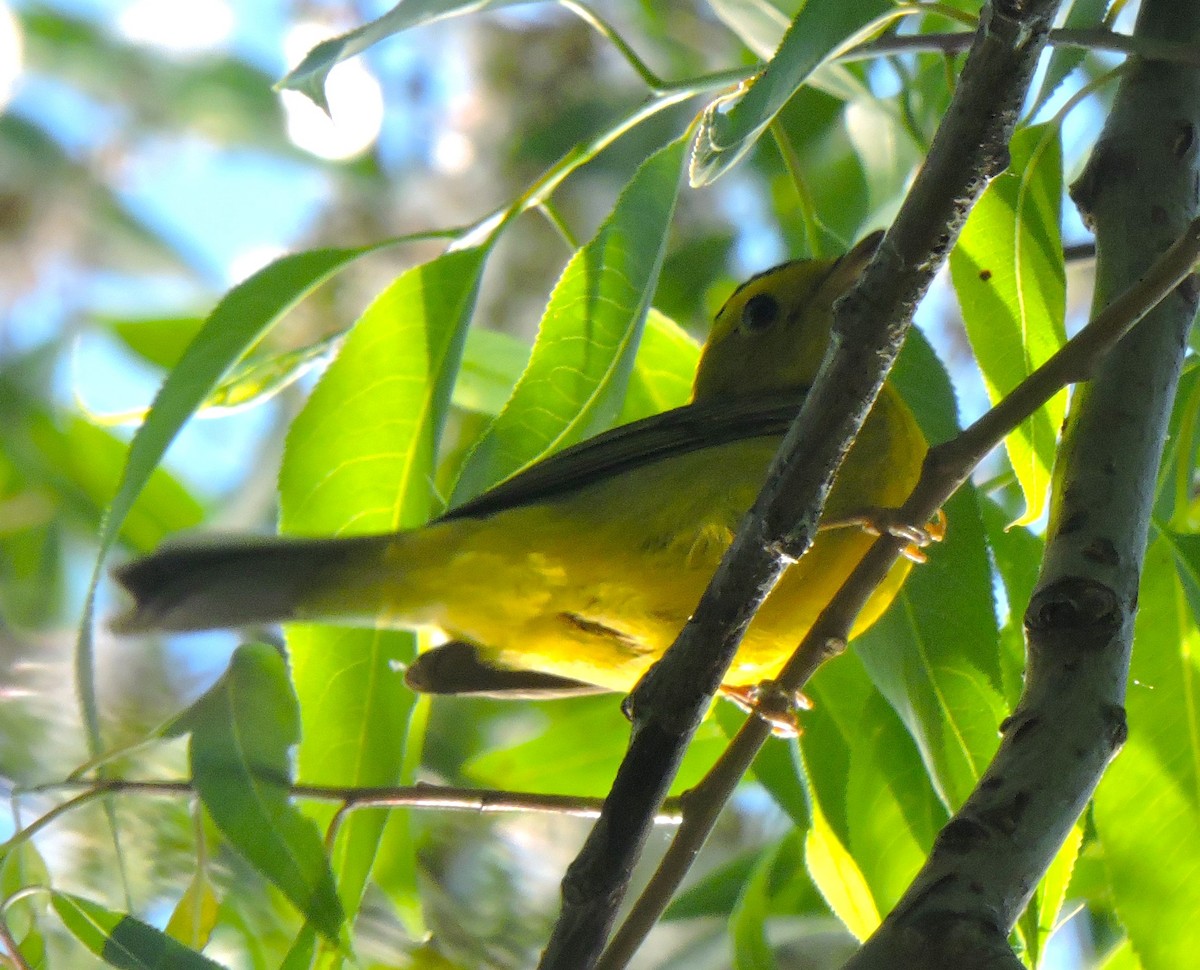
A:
(147, 165)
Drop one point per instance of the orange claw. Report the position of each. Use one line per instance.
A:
(775, 706)
(881, 521)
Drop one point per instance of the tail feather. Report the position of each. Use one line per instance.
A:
(229, 584)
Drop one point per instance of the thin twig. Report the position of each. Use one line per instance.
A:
(480, 800)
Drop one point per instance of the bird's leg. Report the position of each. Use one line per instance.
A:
(775, 706)
(885, 521)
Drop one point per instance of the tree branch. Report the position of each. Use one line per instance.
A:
(970, 147)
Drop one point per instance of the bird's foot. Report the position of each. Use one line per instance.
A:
(778, 707)
(885, 521)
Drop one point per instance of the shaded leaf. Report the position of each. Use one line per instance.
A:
(242, 731)
(662, 371)
(1082, 15)
(122, 941)
(935, 654)
(758, 24)
(579, 750)
(1051, 893)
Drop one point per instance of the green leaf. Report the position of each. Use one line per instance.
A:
(492, 364)
(256, 378)
(88, 461)
(579, 751)
(242, 730)
(122, 941)
(1017, 553)
(820, 29)
(1173, 503)
(865, 771)
(663, 370)
(308, 77)
(22, 867)
(1187, 563)
(1148, 797)
(892, 812)
(1083, 15)
(157, 340)
(195, 915)
(748, 918)
(1008, 272)
(758, 23)
(1051, 893)
(838, 876)
(661, 379)
(235, 325)
(714, 893)
(577, 375)
(360, 458)
(939, 668)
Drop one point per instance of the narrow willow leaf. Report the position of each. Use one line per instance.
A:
(579, 751)
(728, 131)
(235, 325)
(308, 77)
(863, 769)
(360, 458)
(758, 23)
(122, 941)
(748, 919)
(1008, 272)
(663, 370)
(1148, 797)
(935, 654)
(254, 380)
(838, 877)
(491, 366)
(588, 338)
(160, 341)
(1050, 895)
(242, 730)
(88, 460)
(195, 915)
(237, 322)
(1173, 503)
(1083, 15)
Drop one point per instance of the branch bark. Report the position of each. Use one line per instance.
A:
(1138, 191)
(871, 322)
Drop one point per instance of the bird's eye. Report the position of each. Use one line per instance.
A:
(760, 312)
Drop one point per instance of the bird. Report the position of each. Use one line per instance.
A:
(576, 574)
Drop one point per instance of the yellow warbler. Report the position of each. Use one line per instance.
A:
(577, 573)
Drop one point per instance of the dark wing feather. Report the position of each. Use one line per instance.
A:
(681, 430)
